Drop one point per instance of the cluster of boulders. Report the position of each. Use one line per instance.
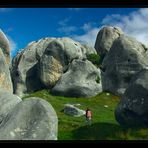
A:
(124, 73)
(29, 119)
(61, 65)
(58, 64)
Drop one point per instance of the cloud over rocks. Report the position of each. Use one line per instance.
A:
(134, 24)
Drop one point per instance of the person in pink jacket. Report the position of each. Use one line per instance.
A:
(88, 116)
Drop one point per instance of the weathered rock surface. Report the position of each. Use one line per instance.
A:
(105, 38)
(5, 79)
(5, 46)
(7, 102)
(24, 69)
(133, 107)
(125, 58)
(50, 70)
(82, 79)
(72, 110)
(89, 50)
(31, 119)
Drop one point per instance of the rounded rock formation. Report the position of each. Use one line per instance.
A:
(5, 46)
(7, 102)
(133, 107)
(125, 58)
(24, 70)
(105, 38)
(31, 119)
(82, 79)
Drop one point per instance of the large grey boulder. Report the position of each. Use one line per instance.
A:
(82, 79)
(105, 38)
(125, 58)
(7, 102)
(133, 107)
(31, 119)
(5, 79)
(24, 70)
(72, 110)
(5, 46)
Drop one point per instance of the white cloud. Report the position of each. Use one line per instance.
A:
(90, 34)
(65, 28)
(87, 38)
(135, 24)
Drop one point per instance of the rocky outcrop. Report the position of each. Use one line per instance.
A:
(24, 69)
(31, 119)
(125, 58)
(133, 107)
(105, 38)
(7, 102)
(5, 79)
(72, 110)
(5, 46)
(41, 64)
(82, 79)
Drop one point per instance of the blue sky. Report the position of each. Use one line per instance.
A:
(23, 25)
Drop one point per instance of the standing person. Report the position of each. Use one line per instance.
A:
(88, 116)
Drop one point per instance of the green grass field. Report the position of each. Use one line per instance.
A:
(104, 125)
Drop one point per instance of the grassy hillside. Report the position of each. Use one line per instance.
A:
(104, 125)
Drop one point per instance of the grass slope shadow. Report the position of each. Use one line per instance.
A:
(98, 131)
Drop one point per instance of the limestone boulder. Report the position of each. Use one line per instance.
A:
(82, 79)
(133, 107)
(72, 110)
(24, 69)
(7, 102)
(5, 78)
(31, 119)
(125, 58)
(5, 46)
(105, 38)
